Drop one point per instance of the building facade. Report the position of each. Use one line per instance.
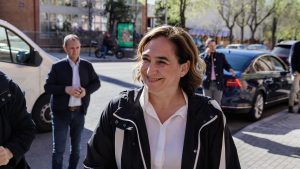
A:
(48, 21)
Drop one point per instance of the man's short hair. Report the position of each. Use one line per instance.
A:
(70, 37)
(209, 40)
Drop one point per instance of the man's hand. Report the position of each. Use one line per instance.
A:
(73, 91)
(82, 92)
(232, 72)
(5, 155)
(78, 93)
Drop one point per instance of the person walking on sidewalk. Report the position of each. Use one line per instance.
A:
(295, 66)
(215, 64)
(70, 82)
(17, 130)
(164, 124)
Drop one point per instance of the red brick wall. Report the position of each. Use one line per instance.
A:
(24, 14)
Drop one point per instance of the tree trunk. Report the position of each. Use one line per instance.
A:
(230, 35)
(274, 29)
(242, 34)
(253, 30)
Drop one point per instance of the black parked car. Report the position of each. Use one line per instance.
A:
(261, 79)
(283, 50)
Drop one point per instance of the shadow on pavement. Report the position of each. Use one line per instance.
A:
(279, 124)
(118, 82)
(40, 153)
(271, 146)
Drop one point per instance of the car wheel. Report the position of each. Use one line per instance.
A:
(98, 53)
(257, 107)
(41, 114)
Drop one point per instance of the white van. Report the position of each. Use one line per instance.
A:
(28, 65)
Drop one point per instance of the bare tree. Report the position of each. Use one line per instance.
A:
(178, 9)
(280, 8)
(243, 19)
(182, 8)
(258, 13)
(229, 12)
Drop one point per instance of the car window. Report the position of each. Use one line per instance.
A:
(237, 61)
(263, 64)
(277, 64)
(282, 50)
(19, 49)
(232, 47)
(4, 48)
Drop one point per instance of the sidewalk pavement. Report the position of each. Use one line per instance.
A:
(271, 143)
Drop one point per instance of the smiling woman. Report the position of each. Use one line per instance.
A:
(160, 125)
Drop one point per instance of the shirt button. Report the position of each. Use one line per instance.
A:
(9, 95)
(3, 99)
(116, 122)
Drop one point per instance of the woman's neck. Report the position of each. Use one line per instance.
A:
(166, 105)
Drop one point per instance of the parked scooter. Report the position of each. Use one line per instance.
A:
(109, 46)
(111, 51)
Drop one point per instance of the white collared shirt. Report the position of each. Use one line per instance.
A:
(167, 139)
(75, 82)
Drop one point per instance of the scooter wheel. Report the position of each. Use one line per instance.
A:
(98, 53)
(119, 54)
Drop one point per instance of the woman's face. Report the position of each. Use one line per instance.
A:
(160, 69)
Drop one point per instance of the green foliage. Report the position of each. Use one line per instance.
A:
(288, 15)
(190, 8)
(160, 12)
(118, 12)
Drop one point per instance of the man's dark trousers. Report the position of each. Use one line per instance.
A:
(61, 123)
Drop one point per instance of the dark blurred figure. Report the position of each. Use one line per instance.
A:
(107, 44)
(17, 129)
(295, 66)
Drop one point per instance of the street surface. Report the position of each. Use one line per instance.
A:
(115, 77)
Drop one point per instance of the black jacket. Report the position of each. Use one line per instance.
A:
(295, 57)
(220, 64)
(61, 75)
(17, 130)
(203, 136)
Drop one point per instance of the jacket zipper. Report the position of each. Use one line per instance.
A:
(139, 141)
(3, 92)
(198, 149)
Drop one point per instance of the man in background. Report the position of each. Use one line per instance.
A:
(70, 82)
(295, 66)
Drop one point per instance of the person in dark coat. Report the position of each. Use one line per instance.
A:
(295, 66)
(70, 82)
(215, 65)
(164, 124)
(17, 130)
